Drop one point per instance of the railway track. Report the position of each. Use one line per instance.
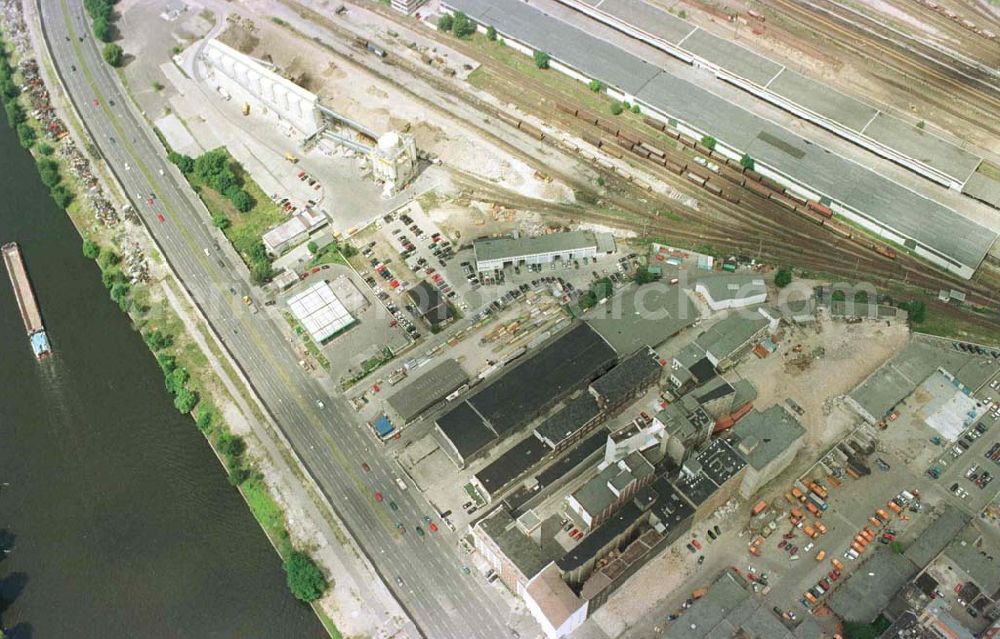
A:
(774, 233)
(962, 100)
(762, 218)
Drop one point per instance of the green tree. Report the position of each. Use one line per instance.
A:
(261, 272)
(231, 446)
(305, 579)
(110, 278)
(183, 162)
(461, 26)
(921, 125)
(98, 8)
(61, 195)
(491, 33)
(119, 292)
(102, 30)
(542, 59)
(636, 109)
(242, 200)
(113, 54)
(348, 250)
(167, 362)
(616, 108)
(916, 311)
(185, 401)
(46, 149)
(445, 22)
(107, 259)
(644, 276)
(91, 249)
(211, 163)
(157, 340)
(223, 181)
(596, 86)
(25, 135)
(15, 114)
(9, 89)
(176, 380)
(747, 162)
(709, 142)
(220, 222)
(783, 277)
(48, 170)
(312, 247)
(206, 418)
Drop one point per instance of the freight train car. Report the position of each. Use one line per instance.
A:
(566, 109)
(653, 124)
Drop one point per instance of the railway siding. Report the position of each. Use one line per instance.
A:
(888, 209)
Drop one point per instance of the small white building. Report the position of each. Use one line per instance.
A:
(320, 312)
(731, 291)
(406, 6)
(293, 231)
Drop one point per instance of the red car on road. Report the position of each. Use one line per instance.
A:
(694, 542)
(160, 217)
(378, 496)
(366, 467)
(432, 526)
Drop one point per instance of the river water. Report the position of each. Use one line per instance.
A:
(121, 521)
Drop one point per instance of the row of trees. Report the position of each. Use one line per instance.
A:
(101, 13)
(16, 117)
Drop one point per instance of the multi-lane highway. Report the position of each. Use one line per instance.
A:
(442, 600)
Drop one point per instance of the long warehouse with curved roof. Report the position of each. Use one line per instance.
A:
(883, 206)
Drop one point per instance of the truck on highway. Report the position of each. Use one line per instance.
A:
(401, 483)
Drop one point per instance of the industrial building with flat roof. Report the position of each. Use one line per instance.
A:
(320, 312)
(524, 392)
(729, 609)
(769, 441)
(643, 315)
(865, 593)
(882, 391)
(496, 253)
(732, 291)
(428, 389)
(848, 117)
(886, 208)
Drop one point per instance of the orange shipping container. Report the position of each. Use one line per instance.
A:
(811, 507)
(809, 531)
(894, 508)
(884, 516)
(796, 513)
(836, 564)
(798, 494)
(821, 555)
(810, 598)
(821, 528)
(874, 521)
(759, 507)
(858, 548)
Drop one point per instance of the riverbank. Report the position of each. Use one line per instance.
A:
(192, 360)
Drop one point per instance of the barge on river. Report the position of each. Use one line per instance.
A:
(26, 301)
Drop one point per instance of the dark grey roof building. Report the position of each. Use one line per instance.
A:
(524, 392)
